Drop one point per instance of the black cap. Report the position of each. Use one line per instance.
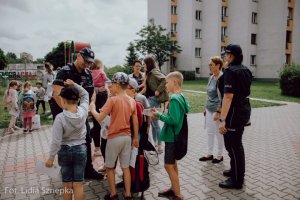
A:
(87, 54)
(70, 93)
(234, 49)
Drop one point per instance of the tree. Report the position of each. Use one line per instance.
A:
(39, 60)
(11, 58)
(57, 56)
(3, 60)
(154, 41)
(132, 55)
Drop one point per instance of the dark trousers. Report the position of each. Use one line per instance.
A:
(234, 146)
(101, 98)
(55, 110)
(38, 102)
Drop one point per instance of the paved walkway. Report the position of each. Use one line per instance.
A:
(272, 147)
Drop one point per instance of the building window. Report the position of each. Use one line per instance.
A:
(290, 13)
(252, 59)
(255, 1)
(198, 34)
(198, 14)
(198, 52)
(174, 10)
(223, 33)
(199, 0)
(254, 18)
(173, 28)
(253, 38)
(224, 11)
(197, 70)
(287, 58)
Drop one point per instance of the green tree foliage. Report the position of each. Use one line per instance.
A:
(132, 54)
(290, 80)
(39, 60)
(3, 60)
(57, 56)
(154, 40)
(12, 58)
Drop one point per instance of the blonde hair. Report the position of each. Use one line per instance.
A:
(177, 76)
(27, 84)
(217, 60)
(98, 64)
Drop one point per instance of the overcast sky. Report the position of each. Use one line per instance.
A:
(36, 26)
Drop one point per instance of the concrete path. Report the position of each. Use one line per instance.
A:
(272, 148)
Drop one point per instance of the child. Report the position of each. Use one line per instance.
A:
(104, 130)
(10, 101)
(121, 108)
(27, 103)
(68, 139)
(173, 122)
(40, 97)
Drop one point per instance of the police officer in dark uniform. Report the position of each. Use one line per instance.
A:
(234, 87)
(80, 74)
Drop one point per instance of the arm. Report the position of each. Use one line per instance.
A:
(83, 95)
(172, 118)
(106, 109)
(135, 128)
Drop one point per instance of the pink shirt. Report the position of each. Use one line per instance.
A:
(99, 77)
(120, 107)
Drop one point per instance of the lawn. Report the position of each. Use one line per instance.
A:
(260, 89)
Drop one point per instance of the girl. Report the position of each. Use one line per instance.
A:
(11, 99)
(27, 103)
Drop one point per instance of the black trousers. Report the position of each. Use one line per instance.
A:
(55, 110)
(101, 98)
(234, 146)
(38, 102)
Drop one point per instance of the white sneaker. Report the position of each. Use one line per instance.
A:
(97, 153)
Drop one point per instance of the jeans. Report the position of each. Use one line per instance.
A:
(154, 123)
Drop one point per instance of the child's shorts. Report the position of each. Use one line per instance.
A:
(72, 160)
(169, 153)
(118, 147)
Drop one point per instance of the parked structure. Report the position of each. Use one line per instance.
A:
(267, 30)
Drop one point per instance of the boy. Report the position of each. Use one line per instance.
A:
(122, 109)
(40, 96)
(68, 138)
(173, 122)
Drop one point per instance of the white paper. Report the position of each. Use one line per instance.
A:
(134, 153)
(53, 172)
(147, 112)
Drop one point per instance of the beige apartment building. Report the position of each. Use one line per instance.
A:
(267, 30)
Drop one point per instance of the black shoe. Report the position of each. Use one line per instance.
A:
(204, 158)
(229, 184)
(108, 197)
(166, 193)
(215, 160)
(120, 184)
(227, 173)
(92, 174)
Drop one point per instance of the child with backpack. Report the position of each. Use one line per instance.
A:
(68, 138)
(173, 121)
(122, 110)
(10, 102)
(40, 96)
(28, 106)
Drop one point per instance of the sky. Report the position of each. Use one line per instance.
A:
(37, 26)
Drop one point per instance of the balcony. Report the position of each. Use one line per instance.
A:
(291, 3)
(224, 21)
(173, 35)
(224, 40)
(288, 47)
(173, 18)
(289, 24)
(225, 3)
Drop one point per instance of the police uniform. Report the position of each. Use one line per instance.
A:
(236, 80)
(86, 81)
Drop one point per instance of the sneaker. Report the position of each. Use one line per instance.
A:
(206, 158)
(108, 197)
(24, 131)
(97, 153)
(168, 193)
(30, 130)
(17, 128)
(215, 160)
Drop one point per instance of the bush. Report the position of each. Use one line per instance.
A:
(290, 80)
(188, 75)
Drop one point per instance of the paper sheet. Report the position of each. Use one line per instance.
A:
(134, 153)
(53, 172)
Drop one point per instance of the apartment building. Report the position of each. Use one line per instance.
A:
(267, 30)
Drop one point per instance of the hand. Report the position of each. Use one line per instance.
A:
(222, 128)
(216, 116)
(154, 113)
(156, 93)
(69, 82)
(135, 142)
(49, 163)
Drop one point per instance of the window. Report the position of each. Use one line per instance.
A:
(255, 1)
(197, 70)
(224, 11)
(224, 31)
(174, 10)
(198, 14)
(199, 0)
(287, 58)
(252, 59)
(198, 52)
(173, 28)
(253, 38)
(290, 13)
(198, 34)
(254, 18)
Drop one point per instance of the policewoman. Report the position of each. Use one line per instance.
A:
(234, 87)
